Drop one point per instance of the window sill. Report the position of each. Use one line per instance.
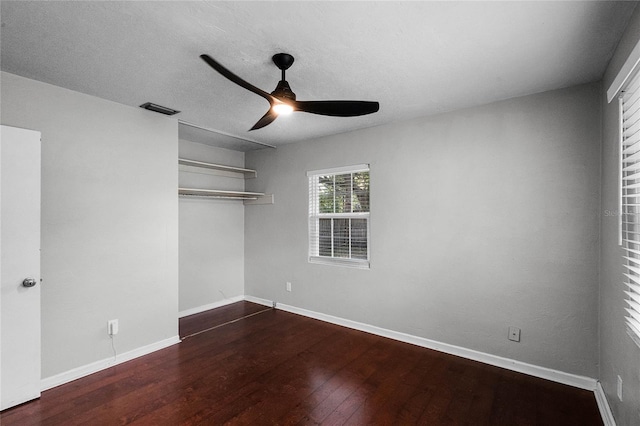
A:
(350, 263)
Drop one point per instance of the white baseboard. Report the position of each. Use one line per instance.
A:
(258, 300)
(603, 406)
(94, 367)
(570, 379)
(209, 306)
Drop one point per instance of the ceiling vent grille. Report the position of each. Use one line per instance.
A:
(159, 108)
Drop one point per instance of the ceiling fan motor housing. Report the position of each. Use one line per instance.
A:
(284, 91)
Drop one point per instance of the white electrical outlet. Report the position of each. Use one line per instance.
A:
(620, 388)
(514, 334)
(288, 286)
(112, 327)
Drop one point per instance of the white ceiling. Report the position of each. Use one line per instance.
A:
(415, 58)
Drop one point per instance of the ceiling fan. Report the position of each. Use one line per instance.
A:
(283, 100)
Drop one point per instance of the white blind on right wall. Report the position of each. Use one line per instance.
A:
(630, 201)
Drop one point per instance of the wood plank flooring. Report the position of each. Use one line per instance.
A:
(273, 367)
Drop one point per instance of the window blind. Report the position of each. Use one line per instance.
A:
(630, 201)
(339, 216)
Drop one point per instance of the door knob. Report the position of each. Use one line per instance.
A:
(29, 282)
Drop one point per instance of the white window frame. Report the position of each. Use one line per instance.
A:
(315, 216)
(626, 87)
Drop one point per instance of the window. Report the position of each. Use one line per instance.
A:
(630, 201)
(339, 216)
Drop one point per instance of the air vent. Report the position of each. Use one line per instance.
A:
(159, 108)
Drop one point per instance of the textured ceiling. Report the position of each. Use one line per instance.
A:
(415, 58)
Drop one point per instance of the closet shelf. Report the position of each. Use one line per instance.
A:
(219, 169)
(215, 193)
(201, 166)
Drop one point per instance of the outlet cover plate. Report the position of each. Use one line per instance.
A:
(514, 334)
(112, 327)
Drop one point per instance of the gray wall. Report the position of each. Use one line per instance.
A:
(211, 232)
(480, 219)
(109, 221)
(619, 355)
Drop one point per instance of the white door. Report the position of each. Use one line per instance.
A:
(19, 266)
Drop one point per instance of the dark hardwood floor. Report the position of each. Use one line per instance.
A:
(273, 367)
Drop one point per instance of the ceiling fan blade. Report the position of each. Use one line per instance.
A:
(337, 108)
(231, 76)
(265, 120)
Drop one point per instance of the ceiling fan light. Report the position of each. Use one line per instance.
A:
(282, 109)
